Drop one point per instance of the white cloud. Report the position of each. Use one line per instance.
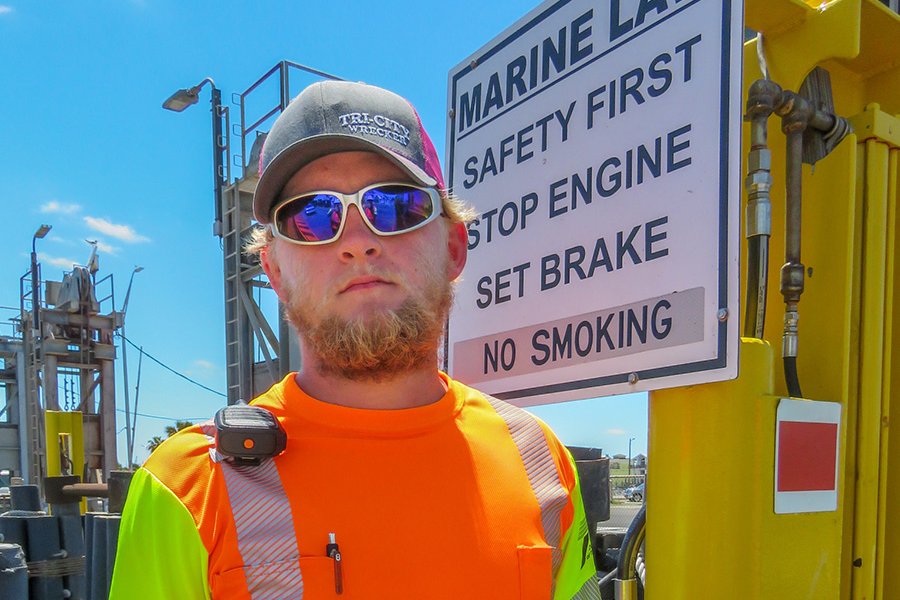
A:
(63, 263)
(106, 248)
(615, 431)
(59, 240)
(56, 207)
(120, 232)
(201, 368)
(5, 9)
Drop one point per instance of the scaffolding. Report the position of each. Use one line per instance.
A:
(61, 332)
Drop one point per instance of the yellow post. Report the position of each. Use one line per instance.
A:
(65, 434)
(890, 452)
(711, 527)
(712, 530)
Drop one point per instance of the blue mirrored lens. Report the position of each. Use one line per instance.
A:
(393, 208)
(311, 218)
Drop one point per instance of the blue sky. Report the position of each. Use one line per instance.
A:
(88, 149)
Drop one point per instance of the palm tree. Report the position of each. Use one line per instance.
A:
(154, 442)
(179, 425)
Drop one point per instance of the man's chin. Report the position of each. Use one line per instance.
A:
(378, 373)
(369, 314)
(373, 341)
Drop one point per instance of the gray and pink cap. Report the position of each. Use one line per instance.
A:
(341, 116)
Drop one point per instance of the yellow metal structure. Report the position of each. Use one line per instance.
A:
(65, 444)
(711, 527)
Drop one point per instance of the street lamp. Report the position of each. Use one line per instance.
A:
(129, 442)
(35, 282)
(185, 97)
(128, 291)
(629, 454)
(39, 234)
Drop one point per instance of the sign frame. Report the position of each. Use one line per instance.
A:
(724, 364)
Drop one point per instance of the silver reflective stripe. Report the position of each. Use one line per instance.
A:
(265, 528)
(209, 430)
(589, 591)
(541, 470)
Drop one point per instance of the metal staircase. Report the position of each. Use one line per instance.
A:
(236, 225)
(32, 433)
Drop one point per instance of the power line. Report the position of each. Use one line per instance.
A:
(160, 417)
(168, 368)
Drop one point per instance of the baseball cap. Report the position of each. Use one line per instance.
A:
(342, 116)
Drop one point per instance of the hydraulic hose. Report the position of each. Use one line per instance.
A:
(814, 120)
(791, 378)
(626, 580)
(762, 98)
(757, 289)
(796, 113)
(607, 578)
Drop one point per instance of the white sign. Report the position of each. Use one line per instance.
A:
(807, 447)
(600, 143)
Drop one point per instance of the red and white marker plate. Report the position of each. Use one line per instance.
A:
(807, 447)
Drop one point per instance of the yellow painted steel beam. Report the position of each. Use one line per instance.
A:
(887, 352)
(891, 446)
(711, 528)
(702, 510)
(875, 123)
(71, 424)
(798, 37)
(855, 40)
(874, 170)
(717, 440)
(878, 63)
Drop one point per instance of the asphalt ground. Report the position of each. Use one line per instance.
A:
(621, 514)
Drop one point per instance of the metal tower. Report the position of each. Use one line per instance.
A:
(61, 339)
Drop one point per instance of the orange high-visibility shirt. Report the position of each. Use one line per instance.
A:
(437, 501)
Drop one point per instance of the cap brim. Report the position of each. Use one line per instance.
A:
(298, 155)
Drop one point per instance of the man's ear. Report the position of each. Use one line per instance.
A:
(270, 266)
(457, 249)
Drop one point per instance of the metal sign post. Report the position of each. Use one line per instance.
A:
(599, 142)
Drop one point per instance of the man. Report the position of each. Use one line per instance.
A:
(396, 482)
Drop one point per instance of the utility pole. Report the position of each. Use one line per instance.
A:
(629, 454)
(129, 433)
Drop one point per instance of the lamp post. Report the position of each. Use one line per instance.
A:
(185, 97)
(35, 281)
(629, 454)
(129, 442)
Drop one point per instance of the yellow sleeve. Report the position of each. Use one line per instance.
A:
(160, 554)
(576, 578)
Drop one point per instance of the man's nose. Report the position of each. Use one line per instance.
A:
(357, 240)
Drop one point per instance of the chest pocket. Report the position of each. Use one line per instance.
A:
(535, 572)
(308, 576)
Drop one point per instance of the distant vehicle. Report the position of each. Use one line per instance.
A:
(635, 494)
(4, 490)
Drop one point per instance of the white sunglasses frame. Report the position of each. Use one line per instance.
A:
(348, 200)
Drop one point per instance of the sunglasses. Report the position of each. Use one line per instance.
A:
(387, 208)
